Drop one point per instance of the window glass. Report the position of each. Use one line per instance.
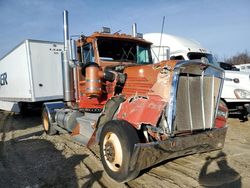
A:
(178, 57)
(123, 51)
(197, 55)
(225, 66)
(160, 53)
(88, 53)
(142, 55)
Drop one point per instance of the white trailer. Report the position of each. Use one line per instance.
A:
(31, 73)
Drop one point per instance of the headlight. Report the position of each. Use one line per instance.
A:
(242, 94)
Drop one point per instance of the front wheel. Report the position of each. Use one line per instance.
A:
(47, 126)
(117, 142)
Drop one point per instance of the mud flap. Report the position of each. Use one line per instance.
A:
(109, 111)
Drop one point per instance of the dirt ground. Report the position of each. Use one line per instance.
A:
(29, 158)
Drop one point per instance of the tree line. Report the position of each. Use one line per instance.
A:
(241, 58)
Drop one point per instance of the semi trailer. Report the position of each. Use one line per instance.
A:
(139, 113)
(31, 74)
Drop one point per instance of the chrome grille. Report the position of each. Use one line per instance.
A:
(196, 102)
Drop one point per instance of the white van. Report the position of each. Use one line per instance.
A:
(244, 67)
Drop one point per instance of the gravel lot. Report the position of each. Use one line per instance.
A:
(29, 158)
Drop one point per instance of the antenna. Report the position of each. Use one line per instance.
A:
(117, 31)
(162, 28)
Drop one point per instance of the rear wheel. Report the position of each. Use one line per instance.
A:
(117, 142)
(47, 126)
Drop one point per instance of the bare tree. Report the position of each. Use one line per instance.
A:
(241, 58)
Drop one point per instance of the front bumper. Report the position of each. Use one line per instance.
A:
(148, 154)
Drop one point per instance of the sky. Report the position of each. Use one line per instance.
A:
(222, 26)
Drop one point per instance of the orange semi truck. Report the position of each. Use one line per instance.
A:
(138, 112)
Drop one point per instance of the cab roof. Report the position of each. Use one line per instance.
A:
(122, 36)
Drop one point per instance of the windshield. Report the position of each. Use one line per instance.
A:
(124, 51)
(197, 55)
(227, 66)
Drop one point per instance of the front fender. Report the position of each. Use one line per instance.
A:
(142, 110)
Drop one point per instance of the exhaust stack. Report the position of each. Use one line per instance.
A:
(134, 30)
(68, 85)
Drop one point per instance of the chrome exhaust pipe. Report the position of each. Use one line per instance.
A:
(68, 85)
(65, 30)
(134, 30)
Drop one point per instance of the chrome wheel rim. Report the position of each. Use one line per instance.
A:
(112, 150)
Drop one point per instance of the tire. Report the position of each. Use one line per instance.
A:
(117, 142)
(48, 128)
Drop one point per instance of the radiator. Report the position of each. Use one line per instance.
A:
(196, 102)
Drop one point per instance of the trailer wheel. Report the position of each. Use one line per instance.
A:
(48, 128)
(117, 142)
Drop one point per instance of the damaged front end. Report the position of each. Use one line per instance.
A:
(182, 121)
(148, 154)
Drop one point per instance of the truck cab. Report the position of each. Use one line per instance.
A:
(236, 89)
(109, 53)
(176, 48)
